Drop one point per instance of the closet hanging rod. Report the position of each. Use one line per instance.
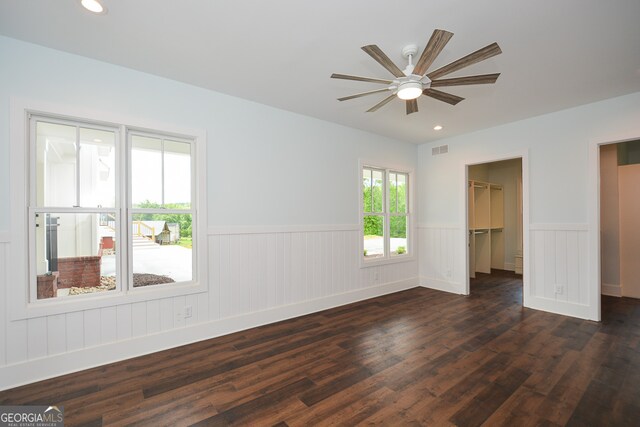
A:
(480, 232)
(480, 186)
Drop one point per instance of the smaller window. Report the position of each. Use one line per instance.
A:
(385, 213)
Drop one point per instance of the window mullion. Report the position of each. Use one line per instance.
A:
(162, 172)
(387, 228)
(126, 188)
(77, 204)
(119, 167)
(371, 189)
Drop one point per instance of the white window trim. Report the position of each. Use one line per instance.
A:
(32, 118)
(130, 132)
(411, 231)
(19, 277)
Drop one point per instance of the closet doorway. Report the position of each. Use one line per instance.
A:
(495, 224)
(620, 219)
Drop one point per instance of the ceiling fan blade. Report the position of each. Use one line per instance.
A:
(442, 96)
(477, 56)
(412, 106)
(358, 95)
(381, 104)
(437, 42)
(470, 80)
(360, 79)
(382, 59)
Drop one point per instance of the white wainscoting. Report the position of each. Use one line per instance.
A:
(254, 278)
(440, 263)
(4, 265)
(559, 263)
(558, 257)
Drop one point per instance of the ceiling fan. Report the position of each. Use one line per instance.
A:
(414, 80)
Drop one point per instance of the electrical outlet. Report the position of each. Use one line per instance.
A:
(188, 312)
(559, 290)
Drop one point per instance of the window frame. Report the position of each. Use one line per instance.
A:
(130, 211)
(19, 285)
(34, 209)
(388, 258)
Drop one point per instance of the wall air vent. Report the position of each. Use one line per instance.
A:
(443, 149)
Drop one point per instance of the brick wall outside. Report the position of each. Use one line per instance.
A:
(82, 272)
(47, 285)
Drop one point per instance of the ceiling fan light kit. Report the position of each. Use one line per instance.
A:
(412, 82)
(93, 6)
(409, 90)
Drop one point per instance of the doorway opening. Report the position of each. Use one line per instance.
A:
(619, 219)
(495, 224)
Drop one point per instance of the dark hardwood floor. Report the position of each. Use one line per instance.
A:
(418, 357)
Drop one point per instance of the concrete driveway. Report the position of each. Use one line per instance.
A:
(172, 260)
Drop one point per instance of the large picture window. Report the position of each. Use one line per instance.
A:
(111, 209)
(385, 213)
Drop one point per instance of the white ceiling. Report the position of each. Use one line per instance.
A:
(281, 52)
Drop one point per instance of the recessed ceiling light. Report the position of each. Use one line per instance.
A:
(438, 127)
(97, 140)
(93, 6)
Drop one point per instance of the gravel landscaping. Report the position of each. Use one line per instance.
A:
(145, 279)
(108, 283)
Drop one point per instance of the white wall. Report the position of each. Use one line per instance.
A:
(283, 215)
(609, 220)
(561, 193)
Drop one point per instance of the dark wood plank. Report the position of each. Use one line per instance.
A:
(417, 357)
(250, 408)
(318, 394)
(490, 399)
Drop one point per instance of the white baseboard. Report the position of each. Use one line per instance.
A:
(560, 307)
(441, 285)
(611, 290)
(52, 366)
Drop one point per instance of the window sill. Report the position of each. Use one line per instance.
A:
(385, 261)
(112, 299)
